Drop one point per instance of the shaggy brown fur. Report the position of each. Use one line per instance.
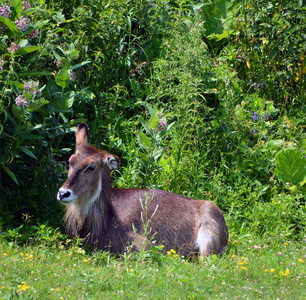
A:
(112, 218)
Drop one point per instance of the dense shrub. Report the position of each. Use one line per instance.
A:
(202, 99)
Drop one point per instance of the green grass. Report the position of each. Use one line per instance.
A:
(256, 271)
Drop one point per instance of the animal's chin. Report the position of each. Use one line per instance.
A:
(67, 202)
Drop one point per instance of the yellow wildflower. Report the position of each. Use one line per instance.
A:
(4, 254)
(132, 270)
(266, 270)
(286, 273)
(22, 287)
(286, 244)
(162, 246)
(3, 287)
(243, 257)
(57, 290)
(244, 268)
(272, 270)
(234, 255)
(85, 260)
(301, 260)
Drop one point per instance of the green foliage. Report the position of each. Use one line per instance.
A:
(228, 76)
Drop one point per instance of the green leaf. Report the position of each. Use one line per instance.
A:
(28, 152)
(26, 50)
(34, 73)
(35, 26)
(147, 128)
(17, 84)
(3, 47)
(18, 113)
(28, 12)
(154, 122)
(73, 54)
(35, 105)
(291, 166)
(11, 174)
(83, 63)
(273, 145)
(11, 25)
(62, 79)
(17, 6)
(145, 141)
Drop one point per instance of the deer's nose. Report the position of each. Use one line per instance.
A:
(63, 193)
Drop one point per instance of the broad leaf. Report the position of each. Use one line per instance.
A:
(26, 50)
(62, 79)
(35, 105)
(291, 166)
(145, 141)
(11, 25)
(154, 121)
(18, 113)
(17, 6)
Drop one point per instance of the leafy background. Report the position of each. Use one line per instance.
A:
(202, 98)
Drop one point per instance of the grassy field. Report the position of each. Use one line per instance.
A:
(250, 271)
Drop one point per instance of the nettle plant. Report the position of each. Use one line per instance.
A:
(37, 83)
(152, 145)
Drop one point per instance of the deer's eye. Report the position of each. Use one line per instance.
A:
(90, 167)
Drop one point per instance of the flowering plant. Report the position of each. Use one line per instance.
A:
(152, 144)
(31, 96)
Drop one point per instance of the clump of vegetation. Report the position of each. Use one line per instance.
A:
(202, 99)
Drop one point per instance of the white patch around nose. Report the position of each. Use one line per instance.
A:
(66, 196)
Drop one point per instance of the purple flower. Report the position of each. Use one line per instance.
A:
(26, 5)
(162, 125)
(13, 47)
(21, 101)
(263, 84)
(250, 81)
(1, 64)
(252, 118)
(73, 76)
(33, 87)
(33, 34)
(5, 11)
(59, 63)
(266, 116)
(22, 24)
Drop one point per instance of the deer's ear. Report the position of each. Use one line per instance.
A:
(82, 135)
(112, 161)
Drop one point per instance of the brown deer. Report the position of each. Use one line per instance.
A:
(113, 218)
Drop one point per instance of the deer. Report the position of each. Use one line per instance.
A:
(112, 219)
